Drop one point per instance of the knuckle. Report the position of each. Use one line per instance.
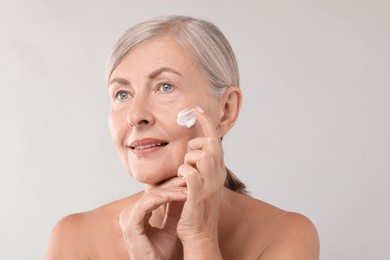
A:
(181, 168)
(212, 140)
(191, 172)
(187, 157)
(187, 171)
(204, 155)
(190, 143)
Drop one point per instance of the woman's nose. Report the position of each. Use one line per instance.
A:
(139, 113)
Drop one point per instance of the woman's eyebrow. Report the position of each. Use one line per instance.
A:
(161, 70)
(121, 81)
(152, 75)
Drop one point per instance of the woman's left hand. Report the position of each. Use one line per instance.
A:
(205, 173)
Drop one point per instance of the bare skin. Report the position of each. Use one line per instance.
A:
(184, 212)
(250, 229)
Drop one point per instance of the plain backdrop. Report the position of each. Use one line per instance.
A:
(313, 135)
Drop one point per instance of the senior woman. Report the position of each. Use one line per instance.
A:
(192, 206)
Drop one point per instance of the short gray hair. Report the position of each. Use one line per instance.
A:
(208, 47)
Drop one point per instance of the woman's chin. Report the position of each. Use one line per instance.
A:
(152, 179)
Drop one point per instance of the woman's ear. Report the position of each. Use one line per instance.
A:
(230, 106)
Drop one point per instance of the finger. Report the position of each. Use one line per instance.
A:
(138, 215)
(213, 144)
(169, 183)
(170, 194)
(206, 123)
(200, 159)
(193, 180)
(192, 157)
(150, 202)
(172, 216)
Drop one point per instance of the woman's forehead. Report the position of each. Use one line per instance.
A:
(158, 54)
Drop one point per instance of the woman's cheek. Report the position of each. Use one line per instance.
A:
(118, 135)
(117, 126)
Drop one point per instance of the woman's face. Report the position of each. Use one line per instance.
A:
(147, 90)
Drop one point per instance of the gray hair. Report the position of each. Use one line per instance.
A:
(208, 47)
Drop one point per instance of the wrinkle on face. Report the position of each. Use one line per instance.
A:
(141, 73)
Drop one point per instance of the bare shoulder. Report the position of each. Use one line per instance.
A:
(67, 238)
(294, 237)
(76, 236)
(270, 232)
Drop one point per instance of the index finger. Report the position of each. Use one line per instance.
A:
(206, 123)
(170, 183)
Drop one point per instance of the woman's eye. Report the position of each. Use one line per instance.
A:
(166, 87)
(122, 95)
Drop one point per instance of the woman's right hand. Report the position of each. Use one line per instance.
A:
(144, 241)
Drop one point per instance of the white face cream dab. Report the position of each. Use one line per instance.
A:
(186, 118)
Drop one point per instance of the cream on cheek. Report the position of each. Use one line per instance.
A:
(179, 136)
(186, 117)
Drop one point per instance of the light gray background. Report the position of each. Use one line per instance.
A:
(313, 135)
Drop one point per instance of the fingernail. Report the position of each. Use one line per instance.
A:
(200, 110)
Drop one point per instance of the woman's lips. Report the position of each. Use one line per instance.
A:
(147, 145)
